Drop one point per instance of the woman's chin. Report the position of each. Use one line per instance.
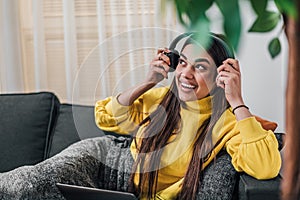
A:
(187, 96)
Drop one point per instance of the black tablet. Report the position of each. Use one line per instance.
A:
(74, 192)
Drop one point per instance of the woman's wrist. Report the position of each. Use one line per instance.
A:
(234, 102)
(241, 111)
(239, 107)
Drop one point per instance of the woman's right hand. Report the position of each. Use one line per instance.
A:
(159, 67)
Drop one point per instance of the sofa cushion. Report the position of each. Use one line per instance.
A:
(253, 189)
(25, 126)
(74, 123)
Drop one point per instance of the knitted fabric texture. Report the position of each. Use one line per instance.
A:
(102, 162)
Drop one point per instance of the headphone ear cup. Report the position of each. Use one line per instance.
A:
(174, 54)
(174, 59)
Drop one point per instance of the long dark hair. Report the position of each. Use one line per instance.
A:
(160, 125)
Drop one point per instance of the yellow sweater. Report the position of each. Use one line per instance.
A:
(253, 149)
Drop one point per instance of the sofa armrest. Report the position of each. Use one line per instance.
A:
(253, 189)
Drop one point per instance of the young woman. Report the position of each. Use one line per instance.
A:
(179, 130)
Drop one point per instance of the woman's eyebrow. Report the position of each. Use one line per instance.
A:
(197, 60)
(202, 60)
(183, 56)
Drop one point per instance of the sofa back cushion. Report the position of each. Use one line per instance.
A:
(74, 123)
(26, 121)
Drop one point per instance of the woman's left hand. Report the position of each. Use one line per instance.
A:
(229, 78)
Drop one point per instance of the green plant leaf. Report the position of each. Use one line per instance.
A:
(191, 11)
(259, 6)
(194, 9)
(232, 20)
(199, 6)
(274, 47)
(265, 22)
(181, 7)
(201, 25)
(287, 6)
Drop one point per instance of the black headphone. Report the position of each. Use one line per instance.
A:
(216, 37)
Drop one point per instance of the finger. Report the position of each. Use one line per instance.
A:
(228, 71)
(225, 67)
(234, 63)
(161, 70)
(161, 56)
(227, 74)
(162, 64)
(220, 82)
(162, 49)
(160, 67)
(228, 78)
(165, 58)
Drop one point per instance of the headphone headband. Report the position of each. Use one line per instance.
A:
(214, 36)
(178, 38)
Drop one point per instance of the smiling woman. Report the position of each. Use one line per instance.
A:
(178, 130)
(175, 139)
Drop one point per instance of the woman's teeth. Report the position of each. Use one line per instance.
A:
(187, 86)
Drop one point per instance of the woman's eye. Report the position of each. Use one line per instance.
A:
(199, 66)
(182, 62)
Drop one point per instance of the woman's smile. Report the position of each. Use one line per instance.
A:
(187, 86)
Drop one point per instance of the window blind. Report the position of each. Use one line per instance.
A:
(113, 40)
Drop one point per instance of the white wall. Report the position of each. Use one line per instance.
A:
(263, 78)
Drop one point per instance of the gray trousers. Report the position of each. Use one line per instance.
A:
(103, 162)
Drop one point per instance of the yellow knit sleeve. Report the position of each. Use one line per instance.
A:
(254, 150)
(110, 115)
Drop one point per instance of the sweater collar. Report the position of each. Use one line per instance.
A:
(202, 105)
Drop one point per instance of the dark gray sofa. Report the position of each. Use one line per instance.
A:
(36, 126)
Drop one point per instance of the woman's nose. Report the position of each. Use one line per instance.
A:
(188, 71)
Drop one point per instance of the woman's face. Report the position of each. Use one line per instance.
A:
(195, 73)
